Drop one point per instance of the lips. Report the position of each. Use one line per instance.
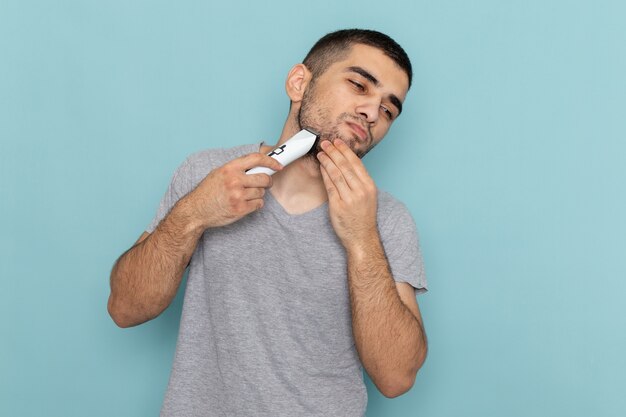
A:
(360, 132)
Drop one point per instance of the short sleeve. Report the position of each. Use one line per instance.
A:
(402, 248)
(180, 185)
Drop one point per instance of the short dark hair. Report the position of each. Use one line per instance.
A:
(336, 45)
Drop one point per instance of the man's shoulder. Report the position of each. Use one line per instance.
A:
(391, 210)
(387, 201)
(203, 161)
(222, 154)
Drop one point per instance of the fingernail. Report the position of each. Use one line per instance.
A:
(325, 144)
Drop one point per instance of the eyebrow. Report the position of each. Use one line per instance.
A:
(365, 74)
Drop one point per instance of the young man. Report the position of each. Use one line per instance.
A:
(298, 280)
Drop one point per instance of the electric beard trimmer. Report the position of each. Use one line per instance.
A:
(297, 146)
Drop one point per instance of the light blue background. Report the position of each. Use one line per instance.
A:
(510, 155)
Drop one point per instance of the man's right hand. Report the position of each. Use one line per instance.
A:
(227, 193)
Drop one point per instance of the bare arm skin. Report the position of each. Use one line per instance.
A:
(386, 323)
(389, 336)
(144, 280)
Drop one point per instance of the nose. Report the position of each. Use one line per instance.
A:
(368, 110)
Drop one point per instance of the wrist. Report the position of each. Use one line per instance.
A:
(185, 211)
(363, 246)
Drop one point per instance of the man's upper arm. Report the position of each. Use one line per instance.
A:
(143, 237)
(407, 295)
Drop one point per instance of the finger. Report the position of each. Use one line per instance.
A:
(354, 161)
(331, 190)
(253, 193)
(257, 180)
(253, 205)
(258, 160)
(334, 174)
(342, 163)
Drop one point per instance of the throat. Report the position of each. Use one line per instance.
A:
(299, 187)
(299, 203)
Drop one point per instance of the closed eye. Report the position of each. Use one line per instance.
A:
(357, 85)
(387, 112)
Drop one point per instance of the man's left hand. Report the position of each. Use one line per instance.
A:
(352, 194)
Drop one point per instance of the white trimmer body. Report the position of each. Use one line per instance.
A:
(297, 146)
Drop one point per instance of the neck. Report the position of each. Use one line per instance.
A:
(299, 186)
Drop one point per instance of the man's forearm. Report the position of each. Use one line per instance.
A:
(144, 280)
(389, 338)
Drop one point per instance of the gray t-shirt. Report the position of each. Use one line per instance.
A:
(266, 327)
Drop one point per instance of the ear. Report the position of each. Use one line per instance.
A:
(297, 81)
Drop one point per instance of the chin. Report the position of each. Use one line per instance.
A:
(357, 149)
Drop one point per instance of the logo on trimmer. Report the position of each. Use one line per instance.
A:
(277, 151)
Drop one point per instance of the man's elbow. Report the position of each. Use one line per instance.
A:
(400, 384)
(397, 388)
(120, 317)
(117, 318)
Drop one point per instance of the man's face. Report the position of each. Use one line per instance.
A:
(356, 99)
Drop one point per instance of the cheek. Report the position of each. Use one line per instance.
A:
(328, 96)
(328, 102)
(380, 130)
